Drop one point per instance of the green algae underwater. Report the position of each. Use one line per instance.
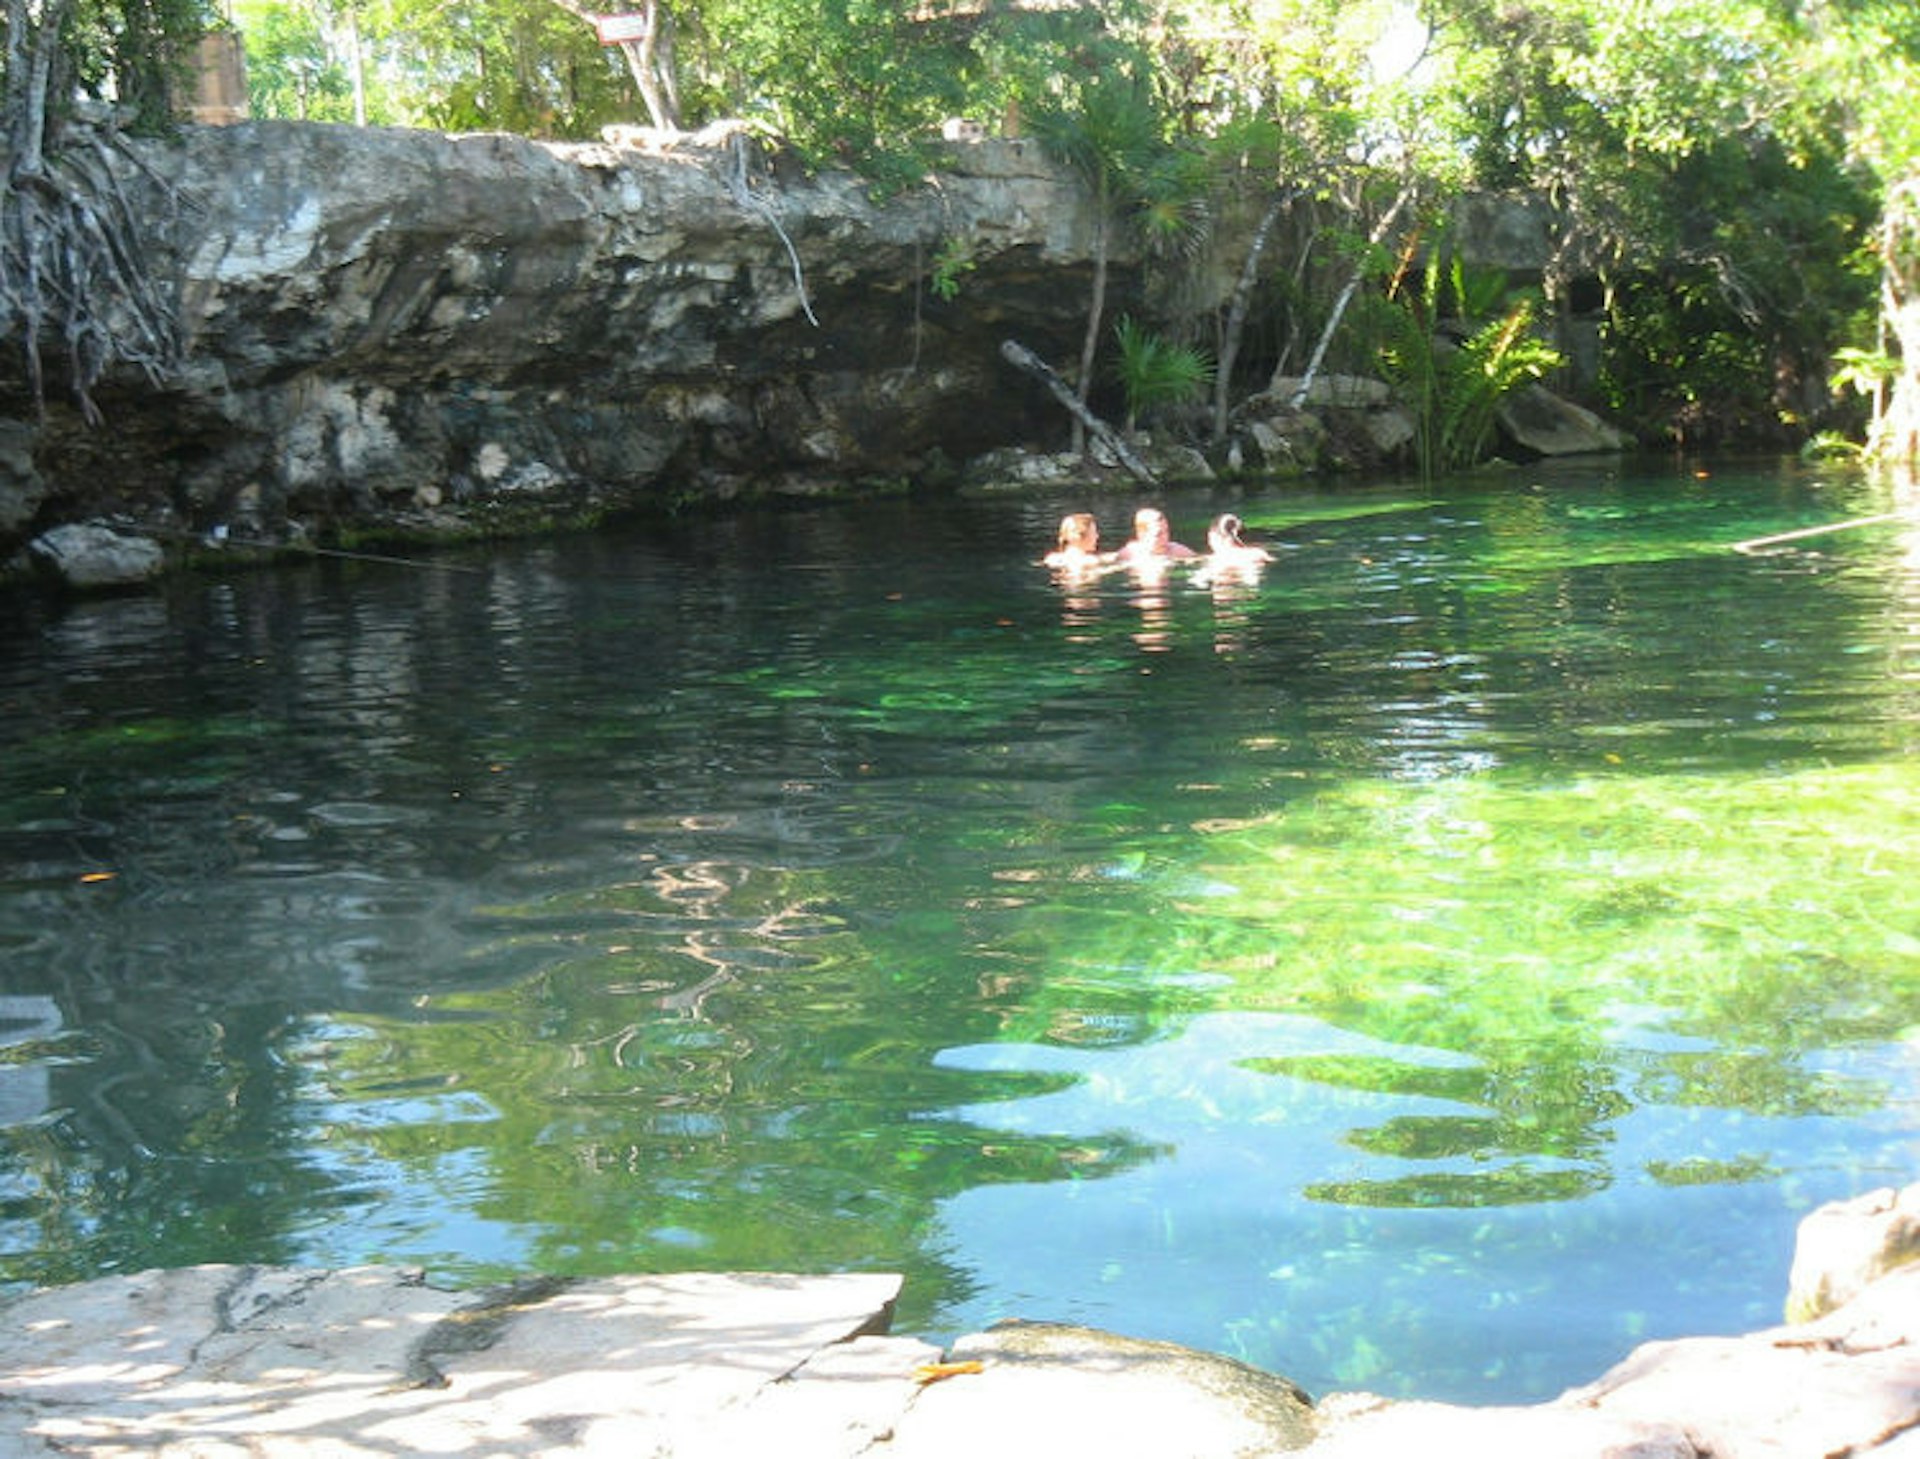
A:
(1434, 967)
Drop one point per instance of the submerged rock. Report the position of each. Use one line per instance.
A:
(1847, 1383)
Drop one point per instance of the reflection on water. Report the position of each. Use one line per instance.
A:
(1486, 1278)
(1432, 964)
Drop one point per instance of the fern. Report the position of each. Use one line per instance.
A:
(1496, 360)
(1154, 371)
(1454, 391)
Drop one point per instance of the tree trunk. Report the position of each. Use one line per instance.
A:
(1237, 311)
(1896, 434)
(1299, 396)
(32, 47)
(1896, 430)
(650, 59)
(1096, 306)
(357, 63)
(641, 57)
(73, 230)
(666, 64)
(27, 251)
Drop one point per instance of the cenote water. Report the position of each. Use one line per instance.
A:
(1435, 968)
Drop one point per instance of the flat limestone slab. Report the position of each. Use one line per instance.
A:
(274, 1363)
(221, 1362)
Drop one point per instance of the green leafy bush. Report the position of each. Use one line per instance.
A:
(1155, 372)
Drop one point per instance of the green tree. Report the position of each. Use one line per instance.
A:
(293, 70)
(1731, 334)
(1310, 107)
(854, 83)
(1111, 130)
(135, 51)
(514, 65)
(1864, 60)
(1461, 342)
(1726, 155)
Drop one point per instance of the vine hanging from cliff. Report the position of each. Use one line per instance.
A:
(74, 275)
(751, 202)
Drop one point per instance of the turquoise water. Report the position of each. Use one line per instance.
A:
(1436, 967)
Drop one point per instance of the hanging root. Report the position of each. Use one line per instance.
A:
(751, 202)
(74, 273)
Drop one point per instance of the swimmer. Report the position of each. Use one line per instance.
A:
(1152, 543)
(1227, 552)
(1079, 542)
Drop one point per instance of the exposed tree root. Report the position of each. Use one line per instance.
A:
(74, 275)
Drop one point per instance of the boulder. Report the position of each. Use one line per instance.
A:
(1543, 424)
(1843, 1248)
(1347, 392)
(1058, 1389)
(1359, 1426)
(91, 557)
(217, 1361)
(1285, 443)
(1391, 431)
(407, 330)
(1517, 234)
(276, 1363)
(21, 487)
(1846, 1384)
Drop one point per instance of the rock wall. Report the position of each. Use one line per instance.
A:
(411, 329)
(388, 330)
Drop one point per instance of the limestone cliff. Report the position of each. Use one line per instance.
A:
(405, 328)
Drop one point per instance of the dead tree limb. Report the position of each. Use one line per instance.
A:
(1025, 360)
(1753, 544)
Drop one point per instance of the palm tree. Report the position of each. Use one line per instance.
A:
(1115, 139)
(1155, 371)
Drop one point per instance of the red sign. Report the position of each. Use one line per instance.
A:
(614, 30)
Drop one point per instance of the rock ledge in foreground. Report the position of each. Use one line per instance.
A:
(270, 1363)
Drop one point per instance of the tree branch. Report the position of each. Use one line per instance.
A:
(1299, 396)
(1024, 359)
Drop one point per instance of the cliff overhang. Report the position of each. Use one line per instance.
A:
(415, 331)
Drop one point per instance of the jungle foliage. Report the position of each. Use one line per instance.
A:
(1739, 176)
